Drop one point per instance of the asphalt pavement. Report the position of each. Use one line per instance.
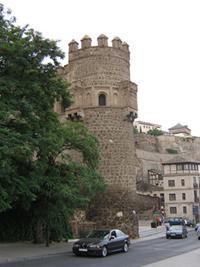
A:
(190, 259)
(20, 251)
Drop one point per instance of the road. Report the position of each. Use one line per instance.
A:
(140, 254)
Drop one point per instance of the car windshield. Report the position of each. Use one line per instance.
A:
(98, 234)
(176, 227)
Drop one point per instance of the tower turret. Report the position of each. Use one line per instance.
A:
(106, 100)
(125, 46)
(102, 40)
(86, 42)
(73, 46)
(117, 43)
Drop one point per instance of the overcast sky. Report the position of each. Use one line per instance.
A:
(164, 40)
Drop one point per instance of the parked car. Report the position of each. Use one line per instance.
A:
(190, 223)
(176, 221)
(176, 231)
(102, 242)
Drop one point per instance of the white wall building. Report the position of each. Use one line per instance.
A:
(144, 127)
(180, 130)
(182, 188)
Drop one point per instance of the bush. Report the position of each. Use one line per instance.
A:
(171, 151)
(155, 132)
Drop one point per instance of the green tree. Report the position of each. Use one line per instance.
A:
(155, 132)
(135, 130)
(37, 177)
(171, 151)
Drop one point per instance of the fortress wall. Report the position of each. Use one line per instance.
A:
(117, 162)
(150, 160)
(152, 151)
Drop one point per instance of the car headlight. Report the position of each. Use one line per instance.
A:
(94, 246)
(76, 245)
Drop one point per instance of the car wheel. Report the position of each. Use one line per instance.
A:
(104, 251)
(125, 247)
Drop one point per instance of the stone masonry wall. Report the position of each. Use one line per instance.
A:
(151, 151)
(107, 65)
(117, 157)
(117, 209)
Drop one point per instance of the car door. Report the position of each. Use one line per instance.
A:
(121, 239)
(113, 243)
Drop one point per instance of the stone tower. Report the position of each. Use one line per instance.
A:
(106, 100)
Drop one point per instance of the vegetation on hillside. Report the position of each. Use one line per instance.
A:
(171, 151)
(155, 132)
(135, 130)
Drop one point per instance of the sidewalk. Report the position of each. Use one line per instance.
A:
(190, 259)
(20, 251)
(146, 232)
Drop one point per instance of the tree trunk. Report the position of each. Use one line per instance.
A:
(39, 233)
(47, 234)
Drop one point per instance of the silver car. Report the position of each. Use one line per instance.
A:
(176, 231)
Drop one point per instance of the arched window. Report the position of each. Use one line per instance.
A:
(102, 100)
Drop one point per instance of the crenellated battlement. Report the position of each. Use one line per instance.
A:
(102, 41)
(101, 65)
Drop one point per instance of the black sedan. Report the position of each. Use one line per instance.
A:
(102, 242)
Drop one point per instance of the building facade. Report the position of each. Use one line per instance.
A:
(144, 127)
(155, 177)
(182, 188)
(180, 130)
(105, 99)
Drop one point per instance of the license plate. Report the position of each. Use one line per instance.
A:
(173, 234)
(83, 249)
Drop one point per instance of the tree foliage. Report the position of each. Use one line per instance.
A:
(135, 130)
(37, 179)
(171, 151)
(155, 132)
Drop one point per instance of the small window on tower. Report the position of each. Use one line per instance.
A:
(102, 100)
